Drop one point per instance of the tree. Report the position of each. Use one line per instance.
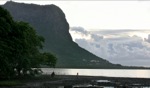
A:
(27, 44)
(19, 47)
(6, 26)
(49, 59)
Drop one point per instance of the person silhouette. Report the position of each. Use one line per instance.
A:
(77, 75)
(53, 74)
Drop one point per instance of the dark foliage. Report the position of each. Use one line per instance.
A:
(19, 48)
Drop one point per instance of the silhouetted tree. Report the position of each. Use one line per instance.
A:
(19, 47)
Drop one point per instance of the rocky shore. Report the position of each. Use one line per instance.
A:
(68, 81)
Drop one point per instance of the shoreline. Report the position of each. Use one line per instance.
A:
(47, 81)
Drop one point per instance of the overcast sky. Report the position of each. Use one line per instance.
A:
(122, 28)
(99, 15)
(126, 47)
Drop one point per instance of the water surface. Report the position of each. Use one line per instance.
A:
(133, 73)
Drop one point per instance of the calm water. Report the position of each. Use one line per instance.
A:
(100, 72)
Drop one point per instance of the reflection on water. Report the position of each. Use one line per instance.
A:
(100, 72)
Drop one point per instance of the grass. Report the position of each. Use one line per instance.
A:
(27, 79)
(10, 83)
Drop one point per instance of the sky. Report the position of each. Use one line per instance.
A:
(118, 31)
(125, 47)
(95, 15)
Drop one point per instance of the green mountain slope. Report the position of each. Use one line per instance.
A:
(50, 22)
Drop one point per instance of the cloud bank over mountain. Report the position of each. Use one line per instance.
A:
(126, 47)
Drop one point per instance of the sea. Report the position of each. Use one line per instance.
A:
(132, 73)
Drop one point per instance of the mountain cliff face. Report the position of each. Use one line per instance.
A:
(50, 22)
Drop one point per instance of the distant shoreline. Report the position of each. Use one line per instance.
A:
(132, 68)
(133, 73)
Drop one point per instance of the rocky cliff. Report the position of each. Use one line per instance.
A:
(50, 22)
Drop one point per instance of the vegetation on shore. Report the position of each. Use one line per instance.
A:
(20, 48)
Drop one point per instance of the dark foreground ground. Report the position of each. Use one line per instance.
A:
(67, 81)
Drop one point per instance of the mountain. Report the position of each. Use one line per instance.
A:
(50, 22)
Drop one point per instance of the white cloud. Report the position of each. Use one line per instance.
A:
(122, 48)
